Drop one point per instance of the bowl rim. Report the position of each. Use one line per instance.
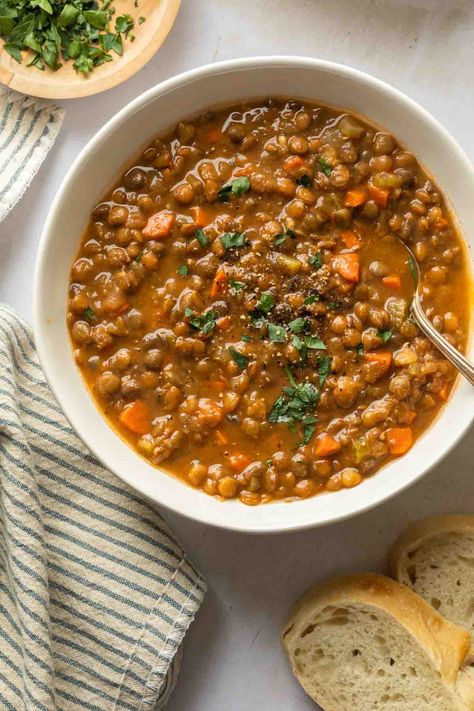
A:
(180, 81)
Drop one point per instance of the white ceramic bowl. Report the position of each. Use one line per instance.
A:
(98, 165)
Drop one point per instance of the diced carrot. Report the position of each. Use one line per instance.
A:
(380, 197)
(136, 417)
(160, 224)
(214, 135)
(218, 385)
(355, 197)
(444, 392)
(239, 461)
(219, 284)
(382, 358)
(221, 438)
(347, 265)
(326, 445)
(393, 281)
(223, 323)
(410, 417)
(292, 163)
(350, 239)
(200, 216)
(399, 439)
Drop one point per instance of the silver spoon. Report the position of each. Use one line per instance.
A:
(424, 324)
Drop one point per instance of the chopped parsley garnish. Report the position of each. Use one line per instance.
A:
(324, 368)
(139, 256)
(277, 334)
(141, 20)
(296, 404)
(315, 261)
(246, 338)
(236, 286)
(360, 349)
(325, 167)
(413, 270)
(385, 335)
(239, 186)
(55, 31)
(305, 181)
(266, 303)
(201, 237)
(183, 270)
(89, 313)
(239, 358)
(283, 236)
(309, 426)
(311, 299)
(231, 240)
(298, 325)
(205, 323)
(314, 343)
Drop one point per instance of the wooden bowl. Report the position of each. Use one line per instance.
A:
(66, 83)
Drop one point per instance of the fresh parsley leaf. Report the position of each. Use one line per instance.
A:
(141, 20)
(315, 260)
(266, 303)
(231, 240)
(290, 376)
(325, 167)
(314, 343)
(246, 338)
(324, 368)
(89, 313)
(239, 186)
(385, 335)
(360, 349)
(280, 238)
(205, 323)
(209, 321)
(124, 23)
(96, 18)
(298, 325)
(277, 334)
(300, 346)
(236, 286)
(311, 299)
(305, 181)
(139, 256)
(201, 237)
(309, 427)
(332, 305)
(183, 270)
(239, 358)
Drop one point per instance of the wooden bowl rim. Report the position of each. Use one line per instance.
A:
(28, 84)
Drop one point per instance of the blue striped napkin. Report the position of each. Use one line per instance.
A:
(95, 593)
(28, 129)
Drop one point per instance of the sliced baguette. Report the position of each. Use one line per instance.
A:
(365, 642)
(435, 558)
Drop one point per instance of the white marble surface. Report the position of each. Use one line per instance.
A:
(233, 659)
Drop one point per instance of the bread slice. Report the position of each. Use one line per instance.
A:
(435, 558)
(365, 642)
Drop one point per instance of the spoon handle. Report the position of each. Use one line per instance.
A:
(449, 351)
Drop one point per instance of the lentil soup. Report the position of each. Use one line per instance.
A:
(239, 307)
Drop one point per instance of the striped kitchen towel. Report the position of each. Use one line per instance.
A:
(95, 593)
(28, 129)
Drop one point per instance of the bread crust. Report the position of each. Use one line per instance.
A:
(443, 642)
(424, 529)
